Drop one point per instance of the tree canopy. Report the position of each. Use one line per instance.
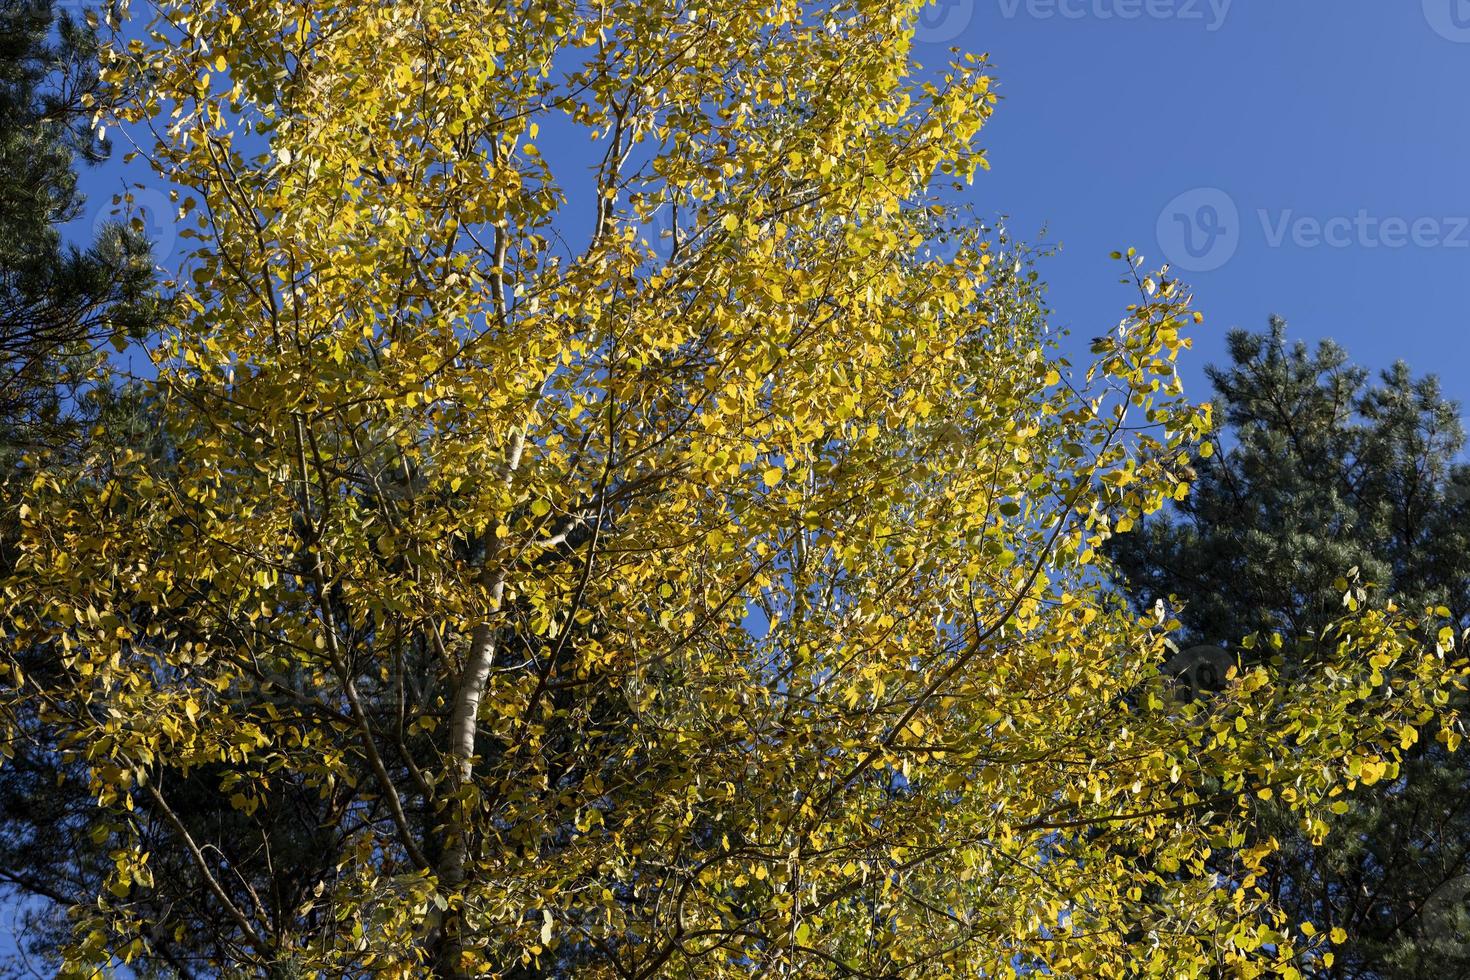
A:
(717, 608)
(57, 302)
(1327, 471)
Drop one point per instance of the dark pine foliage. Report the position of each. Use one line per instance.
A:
(58, 302)
(1323, 470)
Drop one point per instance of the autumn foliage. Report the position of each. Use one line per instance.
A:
(664, 563)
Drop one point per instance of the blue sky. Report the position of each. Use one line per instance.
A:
(1350, 114)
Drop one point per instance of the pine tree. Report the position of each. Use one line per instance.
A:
(59, 305)
(1328, 471)
(58, 302)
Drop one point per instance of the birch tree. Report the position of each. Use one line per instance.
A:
(715, 606)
